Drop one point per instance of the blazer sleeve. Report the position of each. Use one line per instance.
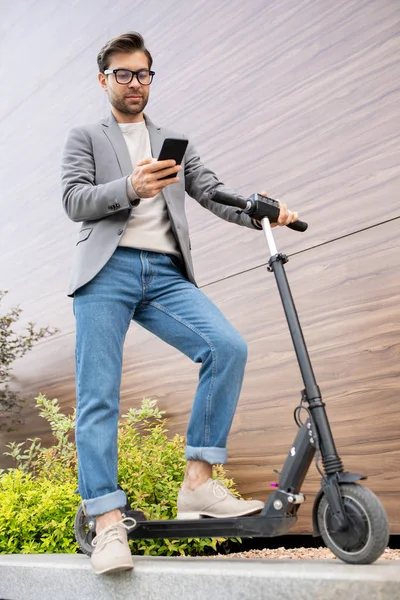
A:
(200, 181)
(82, 199)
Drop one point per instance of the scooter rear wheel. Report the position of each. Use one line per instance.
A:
(367, 536)
(85, 531)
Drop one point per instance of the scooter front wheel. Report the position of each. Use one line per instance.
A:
(367, 535)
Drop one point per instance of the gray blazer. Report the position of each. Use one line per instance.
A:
(94, 172)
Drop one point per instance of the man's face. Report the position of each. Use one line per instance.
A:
(129, 99)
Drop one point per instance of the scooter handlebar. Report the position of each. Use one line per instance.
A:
(256, 206)
(298, 225)
(229, 199)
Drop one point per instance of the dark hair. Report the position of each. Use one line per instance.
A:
(127, 42)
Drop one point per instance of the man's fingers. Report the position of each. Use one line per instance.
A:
(159, 165)
(144, 161)
(162, 184)
(283, 214)
(164, 172)
(152, 164)
(289, 218)
(169, 181)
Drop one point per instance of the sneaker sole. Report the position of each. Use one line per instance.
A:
(115, 569)
(186, 516)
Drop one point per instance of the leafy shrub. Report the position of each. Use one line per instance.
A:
(12, 346)
(37, 500)
(36, 515)
(59, 462)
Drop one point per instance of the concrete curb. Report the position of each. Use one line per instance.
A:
(69, 577)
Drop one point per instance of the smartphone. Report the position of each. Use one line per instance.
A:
(173, 148)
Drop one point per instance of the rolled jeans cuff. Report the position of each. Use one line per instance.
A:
(103, 504)
(214, 456)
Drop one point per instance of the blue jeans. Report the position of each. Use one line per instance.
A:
(151, 289)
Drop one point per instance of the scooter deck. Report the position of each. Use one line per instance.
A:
(250, 526)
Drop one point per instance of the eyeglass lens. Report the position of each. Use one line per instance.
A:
(125, 76)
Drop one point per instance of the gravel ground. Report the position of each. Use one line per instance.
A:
(298, 553)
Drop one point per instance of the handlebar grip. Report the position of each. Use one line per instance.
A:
(228, 198)
(298, 225)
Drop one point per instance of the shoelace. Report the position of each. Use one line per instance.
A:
(111, 533)
(219, 489)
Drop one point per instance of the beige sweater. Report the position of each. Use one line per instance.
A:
(149, 227)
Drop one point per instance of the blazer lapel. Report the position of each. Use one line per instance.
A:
(156, 136)
(114, 134)
(156, 142)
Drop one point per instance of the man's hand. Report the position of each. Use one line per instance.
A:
(146, 177)
(286, 216)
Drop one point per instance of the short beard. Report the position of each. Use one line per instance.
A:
(123, 107)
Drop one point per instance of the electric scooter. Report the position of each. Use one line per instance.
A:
(347, 515)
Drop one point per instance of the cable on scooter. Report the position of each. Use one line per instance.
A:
(297, 412)
(300, 423)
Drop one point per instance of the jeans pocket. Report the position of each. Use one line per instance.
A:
(175, 261)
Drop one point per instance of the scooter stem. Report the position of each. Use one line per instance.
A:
(312, 393)
(266, 225)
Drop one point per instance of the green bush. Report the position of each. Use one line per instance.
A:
(14, 345)
(36, 515)
(37, 500)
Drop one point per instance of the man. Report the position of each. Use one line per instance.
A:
(133, 261)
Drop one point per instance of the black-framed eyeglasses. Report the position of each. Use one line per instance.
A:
(125, 76)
